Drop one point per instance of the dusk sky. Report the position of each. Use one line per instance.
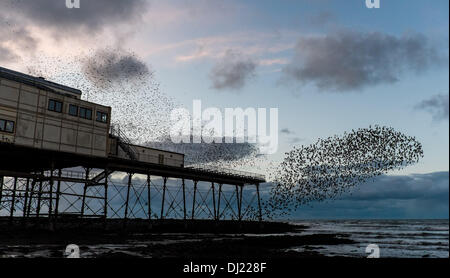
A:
(329, 66)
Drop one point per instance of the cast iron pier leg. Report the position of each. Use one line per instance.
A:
(149, 197)
(163, 198)
(27, 188)
(214, 200)
(2, 179)
(184, 199)
(259, 202)
(58, 193)
(193, 201)
(105, 208)
(33, 185)
(238, 202)
(130, 175)
(38, 208)
(83, 202)
(218, 201)
(50, 198)
(13, 200)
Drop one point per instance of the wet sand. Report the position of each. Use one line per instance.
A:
(174, 239)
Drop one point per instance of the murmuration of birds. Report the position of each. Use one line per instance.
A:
(120, 79)
(314, 173)
(332, 166)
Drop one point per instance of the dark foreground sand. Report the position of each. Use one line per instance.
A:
(173, 239)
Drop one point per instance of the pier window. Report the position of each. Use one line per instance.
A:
(102, 117)
(73, 110)
(7, 126)
(86, 113)
(55, 106)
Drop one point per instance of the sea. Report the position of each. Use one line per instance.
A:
(392, 238)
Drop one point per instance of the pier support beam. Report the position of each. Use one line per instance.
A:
(163, 198)
(259, 203)
(25, 202)
(83, 202)
(218, 202)
(184, 199)
(238, 201)
(38, 206)
(58, 193)
(33, 185)
(2, 180)
(50, 194)
(105, 205)
(13, 199)
(130, 176)
(193, 201)
(149, 197)
(214, 200)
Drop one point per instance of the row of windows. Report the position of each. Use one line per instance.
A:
(6, 126)
(76, 111)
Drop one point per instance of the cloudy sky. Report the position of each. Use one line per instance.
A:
(328, 65)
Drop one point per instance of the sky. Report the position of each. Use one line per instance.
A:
(329, 66)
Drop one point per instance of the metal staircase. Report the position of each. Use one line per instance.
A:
(124, 142)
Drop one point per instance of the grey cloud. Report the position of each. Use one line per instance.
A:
(107, 66)
(437, 105)
(295, 140)
(232, 72)
(286, 131)
(14, 38)
(347, 60)
(6, 55)
(92, 15)
(322, 18)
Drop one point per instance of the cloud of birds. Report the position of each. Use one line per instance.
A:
(326, 169)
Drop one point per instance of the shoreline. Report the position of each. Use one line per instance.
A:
(162, 239)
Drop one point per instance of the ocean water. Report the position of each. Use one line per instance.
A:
(394, 238)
